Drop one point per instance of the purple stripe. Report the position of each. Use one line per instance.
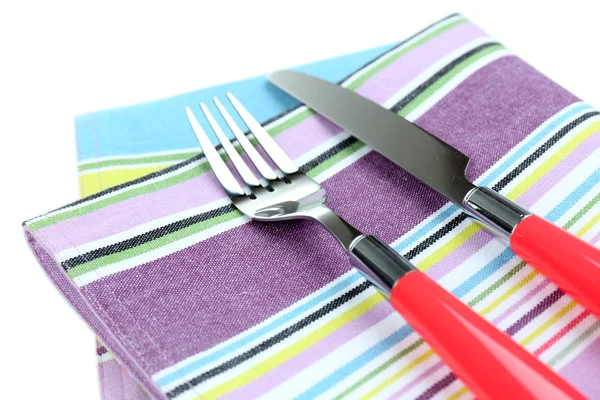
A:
(203, 281)
(534, 312)
(421, 379)
(313, 354)
(410, 65)
(436, 387)
(556, 174)
(531, 294)
(584, 370)
(596, 239)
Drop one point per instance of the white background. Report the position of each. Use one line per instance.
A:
(58, 59)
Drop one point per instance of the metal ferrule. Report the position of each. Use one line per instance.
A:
(494, 210)
(379, 264)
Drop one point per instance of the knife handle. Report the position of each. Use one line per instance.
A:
(484, 358)
(487, 360)
(572, 264)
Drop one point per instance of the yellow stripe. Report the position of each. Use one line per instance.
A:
(409, 367)
(459, 393)
(552, 161)
(508, 293)
(285, 354)
(551, 321)
(93, 182)
(449, 247)
(589, 225)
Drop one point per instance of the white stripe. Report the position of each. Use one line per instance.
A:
(138, 156)
(95, 171)
(457, 80)
(334, 359)
(158, 253)
(289, 341)
(566, 340)
(140, 229)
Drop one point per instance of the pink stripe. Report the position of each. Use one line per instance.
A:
(411, 64)
(561, 333)
(311, 355)
(553, 177)
(418, 380)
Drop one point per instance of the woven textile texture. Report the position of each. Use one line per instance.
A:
(197, 302)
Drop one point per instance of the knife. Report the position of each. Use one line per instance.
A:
(571, 263)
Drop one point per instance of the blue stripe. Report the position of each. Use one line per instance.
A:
(358, 362)
(326, 295)
(452, 209)
(552, 126)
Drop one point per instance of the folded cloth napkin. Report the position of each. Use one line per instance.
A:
(196, 301)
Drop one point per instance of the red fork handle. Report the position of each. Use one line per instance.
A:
(572, 264)
(487, 360)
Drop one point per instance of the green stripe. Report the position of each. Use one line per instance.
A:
(443, 80)
(325, 165)
(587, 333)
(155, 244)
(379, 369)
(585, 209)
(204, 167)
(403, 50)
(103, 202)
(497, 284)
(138, 160)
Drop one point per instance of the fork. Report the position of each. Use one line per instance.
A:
(487, 360)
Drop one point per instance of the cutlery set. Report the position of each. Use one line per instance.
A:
(487, 360)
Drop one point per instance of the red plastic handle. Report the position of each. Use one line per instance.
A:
(487, 360)
(572, 264)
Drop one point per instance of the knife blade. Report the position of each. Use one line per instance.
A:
(572, 264)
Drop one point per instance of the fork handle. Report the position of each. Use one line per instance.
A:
(486, 359)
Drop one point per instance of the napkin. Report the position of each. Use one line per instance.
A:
(197, 302)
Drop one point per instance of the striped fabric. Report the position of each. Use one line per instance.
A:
(198, 302)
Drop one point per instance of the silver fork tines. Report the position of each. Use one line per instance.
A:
(288, 193)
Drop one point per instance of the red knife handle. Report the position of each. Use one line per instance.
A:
(487, 360)
(572, 264)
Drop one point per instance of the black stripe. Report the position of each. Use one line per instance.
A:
(328, 154)
(542, 149)
(421, 88)
(502, 183)
(272, 341)
(145, 237)
(304, 168)
(182, 164)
